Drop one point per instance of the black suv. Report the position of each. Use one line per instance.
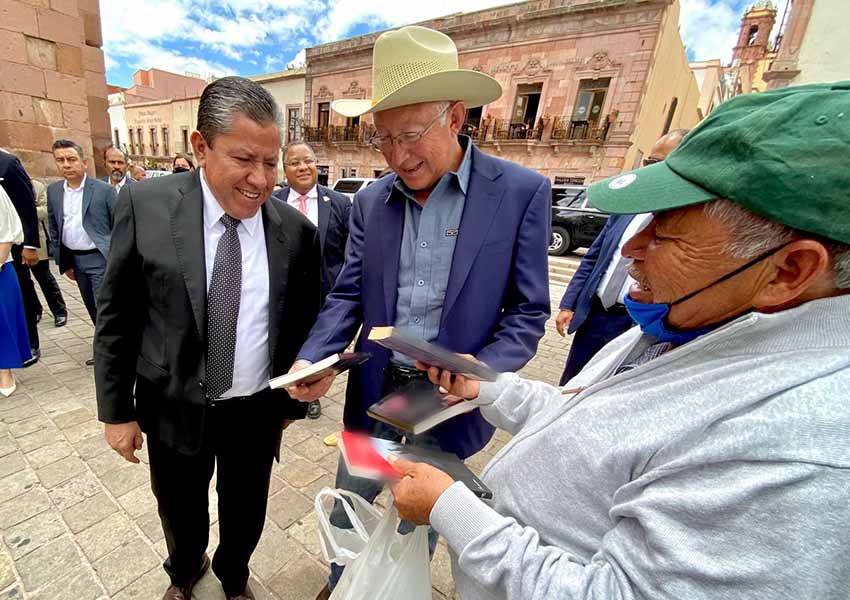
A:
(574, 222)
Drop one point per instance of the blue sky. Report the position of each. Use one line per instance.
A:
(250, 37)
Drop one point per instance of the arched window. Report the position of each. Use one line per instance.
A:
(670, 114)
(751, 38)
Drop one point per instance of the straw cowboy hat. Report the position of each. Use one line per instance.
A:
(416, 64)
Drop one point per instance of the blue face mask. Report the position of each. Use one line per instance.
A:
(651, 317)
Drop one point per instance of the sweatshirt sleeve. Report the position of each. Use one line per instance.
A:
(731, 529)
(510, 401)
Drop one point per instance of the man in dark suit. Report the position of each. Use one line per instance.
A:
(79, 217)
(116, 161)
(592, 305)
(327, 210)
(211, 288)
(452, 248)
(18, 186)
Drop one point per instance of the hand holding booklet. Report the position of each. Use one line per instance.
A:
(417, 411)
(368, 457)
(332, 365)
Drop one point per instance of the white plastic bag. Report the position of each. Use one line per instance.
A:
(389, 566)
(341, 546)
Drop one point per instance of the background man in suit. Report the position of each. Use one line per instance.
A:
(453, 247)
(592, 306)
(79, 216)
(137, 172)
(211, 288)
(327, 210)
(117, 163)
(41, 271)
(18, 186)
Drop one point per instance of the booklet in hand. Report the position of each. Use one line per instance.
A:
(332, 365)
(402, 341)
(417, 411)
(367, 457)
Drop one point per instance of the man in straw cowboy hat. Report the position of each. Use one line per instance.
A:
(452, 247)
(706, 453)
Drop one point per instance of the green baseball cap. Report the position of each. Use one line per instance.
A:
(782, 154)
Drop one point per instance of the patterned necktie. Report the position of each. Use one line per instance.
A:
(302, 204)
(223, 310)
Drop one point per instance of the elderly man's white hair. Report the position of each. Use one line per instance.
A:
(753, 235)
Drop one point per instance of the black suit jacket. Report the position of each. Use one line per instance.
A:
(17, 184)
(334, 210)
(152, 308)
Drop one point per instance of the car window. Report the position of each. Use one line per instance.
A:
(347, 186)
(566, 197)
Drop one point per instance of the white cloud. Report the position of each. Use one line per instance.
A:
(298, 60)
(709, 29)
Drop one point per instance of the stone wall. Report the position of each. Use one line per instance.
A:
(52, 82)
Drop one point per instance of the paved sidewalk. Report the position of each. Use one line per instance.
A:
(80, 523)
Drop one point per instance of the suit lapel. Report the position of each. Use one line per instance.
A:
(483, 198)
(277, 250)
(324, 206)
(186, 209)
(391, 229)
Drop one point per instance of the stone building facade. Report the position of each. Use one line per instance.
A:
(52, 82)
(589, 85)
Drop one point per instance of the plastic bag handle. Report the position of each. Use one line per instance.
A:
(324, 520)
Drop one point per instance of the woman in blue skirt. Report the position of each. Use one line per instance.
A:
(14, 343)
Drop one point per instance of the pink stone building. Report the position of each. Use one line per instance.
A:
(52, 82)
(589, 85)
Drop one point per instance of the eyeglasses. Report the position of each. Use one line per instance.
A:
(408, 138)
(309, 162)
(651, 161)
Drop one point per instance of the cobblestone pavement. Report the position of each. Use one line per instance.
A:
(80, 523)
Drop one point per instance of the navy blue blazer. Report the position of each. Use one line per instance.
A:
(497, 299)
(18, 186)
(98, 206)
(334, 211)
(579, 294)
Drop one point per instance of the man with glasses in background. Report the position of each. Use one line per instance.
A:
(326, 209)
(452, 248)
(592, 306)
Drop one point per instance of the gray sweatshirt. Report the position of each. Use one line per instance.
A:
(720, 469)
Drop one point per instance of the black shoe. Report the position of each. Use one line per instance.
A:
(60, 320)
(90, 362)
(36, 354)
(314, 410)
(38, 317)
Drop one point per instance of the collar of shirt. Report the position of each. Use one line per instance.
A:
(461, 176)
(68, 188)
(213, 210)
(312, 194)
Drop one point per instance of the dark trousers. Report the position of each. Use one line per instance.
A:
(89, 269)
(239, 439)
(50, 289)
(31, 303)
(599, 328)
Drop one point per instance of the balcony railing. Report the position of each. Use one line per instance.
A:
(565, 129)
(503, 129)
(339, 134)
(477, 131)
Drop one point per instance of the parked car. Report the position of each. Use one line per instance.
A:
(351, 185)
(150, 173)
(574, 222)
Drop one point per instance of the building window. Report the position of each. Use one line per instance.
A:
(670, 114)
(294, 124)
(352, 122)
(752, 35)
(132, 142)
(323, 174)
(324, 115)
(117, 141)
(185, 134)
(141, 140)
(590, 100)
(165, 141)
(526, 104)
(352, 172)
(154, 142)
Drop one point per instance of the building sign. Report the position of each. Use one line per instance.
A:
(559, 180)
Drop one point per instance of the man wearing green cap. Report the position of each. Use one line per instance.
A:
(705, 454)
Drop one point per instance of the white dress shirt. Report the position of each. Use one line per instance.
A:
(120, 184)
(11, 229)
(74, 236)
(634, 227)
(251, 365)
(312, 203)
